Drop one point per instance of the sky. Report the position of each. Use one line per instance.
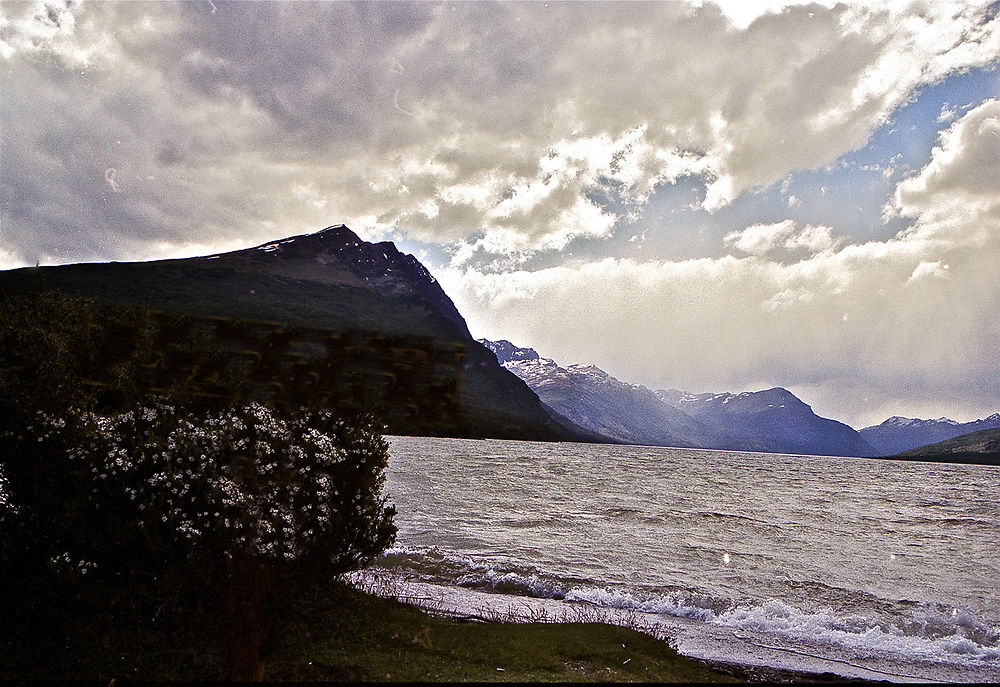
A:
(692, 195)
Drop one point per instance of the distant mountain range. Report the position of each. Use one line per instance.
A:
(774, 420)
(899, 434)
(596, 401)
(363, 318)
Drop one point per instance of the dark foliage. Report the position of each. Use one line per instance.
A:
(120, 505)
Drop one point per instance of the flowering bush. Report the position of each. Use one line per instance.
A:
(173, 505)
(303, 488)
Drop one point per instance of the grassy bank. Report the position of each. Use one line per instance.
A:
(341, 633)
(334, 632)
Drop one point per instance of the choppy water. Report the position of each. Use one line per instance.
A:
(888, 560)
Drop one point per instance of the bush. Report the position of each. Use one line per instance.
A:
(237, 502)
(160, 506)
(295, 491)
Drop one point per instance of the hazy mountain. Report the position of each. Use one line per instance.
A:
(771, 421)
(899, 434)
(368, 319)
(595, 400)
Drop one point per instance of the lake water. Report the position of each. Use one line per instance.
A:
(881, 569)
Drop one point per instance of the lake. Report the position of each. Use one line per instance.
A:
(882, 569)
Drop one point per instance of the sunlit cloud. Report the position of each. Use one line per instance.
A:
(857, 320)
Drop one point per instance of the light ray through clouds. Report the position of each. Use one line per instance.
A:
(686, 194)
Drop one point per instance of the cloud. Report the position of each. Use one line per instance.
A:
(513, 127)
(782, 240)
(927, 270)
(963, 174)
(909, 320)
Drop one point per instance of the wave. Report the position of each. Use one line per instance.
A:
(432, 565)
(965, 637)
(930, 635)
(921, 630)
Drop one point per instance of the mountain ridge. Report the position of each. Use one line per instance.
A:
(981, 447)
(899, 434)
(336, 255)
(773, 420)
(363, 316)
(594, 400)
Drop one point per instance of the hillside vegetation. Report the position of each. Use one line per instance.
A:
(982, 447)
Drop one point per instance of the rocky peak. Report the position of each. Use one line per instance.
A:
(506, 352)
(336, 255)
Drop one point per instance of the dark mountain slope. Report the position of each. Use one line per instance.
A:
(376, 318)
(336, 256)
(329, 279)
(982, 447)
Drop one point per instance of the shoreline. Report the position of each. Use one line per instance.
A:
(738, 653)
(741, 671)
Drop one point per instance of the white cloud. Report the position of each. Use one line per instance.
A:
(744, 12)
(948, 114)
(963, 176)
(519, 118)
(782, 240)
(930, 269)
(813, 239)
(912, 317)
(31, 26)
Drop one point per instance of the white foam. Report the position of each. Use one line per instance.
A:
(930, 642)
(854, 631)
(668, 604)
(467, 572)
(956, 637)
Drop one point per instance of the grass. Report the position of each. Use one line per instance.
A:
(335, 632)
(340, 633)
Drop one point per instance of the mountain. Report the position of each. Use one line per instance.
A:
(595, 400)
(336, 256)
(771, 421)
(330, 278)
(982, 447)
(332, 316)
(899, 434)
